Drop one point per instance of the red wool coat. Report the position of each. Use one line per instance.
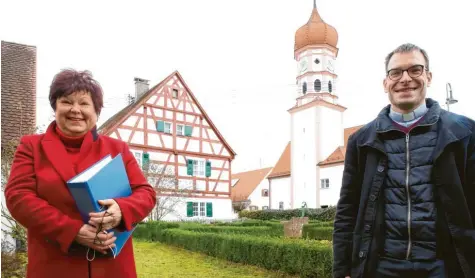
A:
(37, 196)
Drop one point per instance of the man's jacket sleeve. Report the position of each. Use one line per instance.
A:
(346, 212)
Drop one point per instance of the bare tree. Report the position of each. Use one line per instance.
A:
(170, 194)
(11, 229)
(240, 202)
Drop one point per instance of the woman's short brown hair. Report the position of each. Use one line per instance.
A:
(69, 81)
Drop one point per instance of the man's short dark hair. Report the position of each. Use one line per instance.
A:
(404, 48)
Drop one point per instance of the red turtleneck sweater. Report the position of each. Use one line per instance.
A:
(72, 145)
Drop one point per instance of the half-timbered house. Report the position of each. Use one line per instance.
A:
(182, 152)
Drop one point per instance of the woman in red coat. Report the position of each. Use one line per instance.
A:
(37, 195)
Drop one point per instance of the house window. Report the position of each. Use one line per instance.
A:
(281, 205)
(324, 183)
(317, 61)
(168, 128)
(253, 208)
(265, 207)
(304, 88)
(200, 209)
(180, 130)
(175, 93)
(138, 157)
(330, 87)
(164, 126)
(199, 168)
(265, 192)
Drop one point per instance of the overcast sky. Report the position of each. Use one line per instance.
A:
(237, 56)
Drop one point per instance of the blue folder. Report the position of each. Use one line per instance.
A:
(106, 179)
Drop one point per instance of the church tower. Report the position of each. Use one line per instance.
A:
(316, 117)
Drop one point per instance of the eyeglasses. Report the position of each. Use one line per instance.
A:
(413, 72)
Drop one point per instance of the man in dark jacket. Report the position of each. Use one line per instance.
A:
(407, 202)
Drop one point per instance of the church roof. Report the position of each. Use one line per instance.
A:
(246, 183)
(315, 31)
(338, 155)
(282, 167)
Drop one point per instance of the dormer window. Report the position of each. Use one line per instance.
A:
(330, 89)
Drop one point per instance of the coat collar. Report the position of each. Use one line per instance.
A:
(56, 153)
(384, 123)
(452, 127)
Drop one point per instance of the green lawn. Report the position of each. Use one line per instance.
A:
(154, 259)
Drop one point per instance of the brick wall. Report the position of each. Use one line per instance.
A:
(18, 102)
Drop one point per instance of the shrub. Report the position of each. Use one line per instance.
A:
(14, 264)
(307, 258)
(274, 231)
(148, 230)
(310, 231)
(321, 214)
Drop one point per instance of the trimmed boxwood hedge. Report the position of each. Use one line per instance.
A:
(326, 214)
(294, 256)
(275, 231)
(311, 231)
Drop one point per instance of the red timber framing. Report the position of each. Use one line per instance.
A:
(173, 103)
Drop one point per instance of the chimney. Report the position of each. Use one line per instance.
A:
(141, 87)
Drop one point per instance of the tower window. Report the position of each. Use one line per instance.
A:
(317, 61)
(330, 89)
(304, 87)
(317, 85)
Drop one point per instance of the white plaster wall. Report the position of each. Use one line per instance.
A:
(331, 131)
(316, 67)
(305, 127)
(330, 196)
(256, 196)
(279, 192)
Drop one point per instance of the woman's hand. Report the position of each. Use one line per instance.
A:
(101, 242)
(107, 219)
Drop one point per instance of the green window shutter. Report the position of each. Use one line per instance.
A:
(189, 209)
(209, 209)
(188, 130)
(145, 160)
(160, 126)
(189, 167)
(208, 168)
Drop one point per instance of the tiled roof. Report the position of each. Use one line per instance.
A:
(338, 156)
(282, 167)
(247, 183)
(349, 131)
(122, 115)
(18, 93)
